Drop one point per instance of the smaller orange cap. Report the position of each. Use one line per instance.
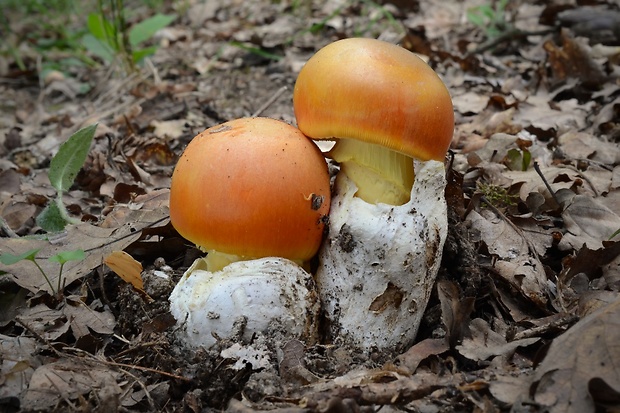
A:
(377, 92)
(253, 187)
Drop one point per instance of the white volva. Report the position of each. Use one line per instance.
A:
(379, 262)
(270, 293)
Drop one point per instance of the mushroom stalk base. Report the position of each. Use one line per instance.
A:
(378, 266)
(269, 296)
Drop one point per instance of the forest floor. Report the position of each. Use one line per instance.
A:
(525, 312)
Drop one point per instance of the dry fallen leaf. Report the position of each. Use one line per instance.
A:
(587, 351)
(65, 378)
(484, 343)
(126, 267)
(516, 260)
(18, 365)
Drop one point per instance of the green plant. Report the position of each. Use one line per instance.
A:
(518, 159)
(496, 195)
(110, 37)
(64, 167)
(491, 18)
(383, 14)
(62, 258)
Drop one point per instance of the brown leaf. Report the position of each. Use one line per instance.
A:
(82, 318)
(293, 367)
(412, 358)
(126, 267)
(47, 322)
(455, 310)
(573, 59)
(485, 343)
(96, 241)
(516, 260)
(588, 222)
(588, 350)
(65, 379)
(18, 365)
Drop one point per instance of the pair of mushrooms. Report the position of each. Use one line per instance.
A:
(255, 194)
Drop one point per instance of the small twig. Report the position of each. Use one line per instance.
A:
(551, 191)
(126, 235)
(270, 101)
(149, 369)
(38, 336)
(540, 330)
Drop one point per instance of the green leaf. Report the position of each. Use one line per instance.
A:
(65, 256)
(51, 218)
(71, 155)
(255, 50)
(140, 54)
(475, 17)
(10, 259)
(98, 48)
(99, 27)
(144, 30)
(527, 158)
(615, 234)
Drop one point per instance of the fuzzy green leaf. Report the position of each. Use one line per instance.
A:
(71, 155)
(51, 218)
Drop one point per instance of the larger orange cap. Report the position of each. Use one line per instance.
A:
(253, 187)
(376, 92)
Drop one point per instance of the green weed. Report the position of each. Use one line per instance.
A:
(64, 167)
(491, 18)
(111, 38)
(497, 195)
(61, 258)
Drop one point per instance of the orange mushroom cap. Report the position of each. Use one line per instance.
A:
(253, 187)
(376, 92)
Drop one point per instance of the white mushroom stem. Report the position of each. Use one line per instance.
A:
(269, 294)
(379, 263)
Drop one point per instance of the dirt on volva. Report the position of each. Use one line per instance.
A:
(524, 313)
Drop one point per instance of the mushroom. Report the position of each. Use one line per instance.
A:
(254, 194)
(392, 119)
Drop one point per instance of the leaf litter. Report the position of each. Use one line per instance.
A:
(524, 315)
